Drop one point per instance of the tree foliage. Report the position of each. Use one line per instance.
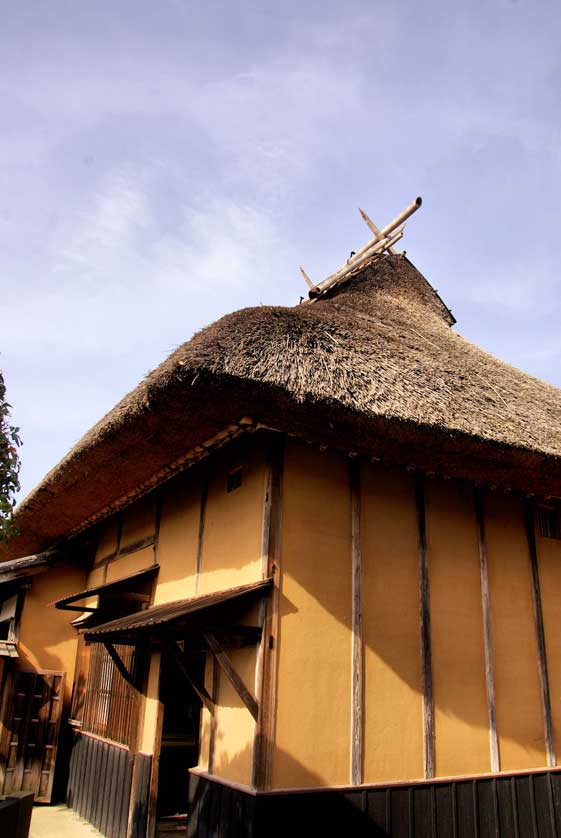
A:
(9, 465)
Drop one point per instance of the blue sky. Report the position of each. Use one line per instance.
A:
(164, 162)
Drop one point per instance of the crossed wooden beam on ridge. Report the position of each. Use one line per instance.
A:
(383, 241)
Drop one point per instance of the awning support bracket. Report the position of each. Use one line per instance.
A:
(117, 660)
(226, 665)
(184, 667)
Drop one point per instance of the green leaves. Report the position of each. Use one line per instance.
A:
(9, 466)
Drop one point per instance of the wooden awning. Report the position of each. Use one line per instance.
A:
(160, 618)
(26, 566)
(212, 618)
(65, 604)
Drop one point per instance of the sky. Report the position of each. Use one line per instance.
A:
(164, 162)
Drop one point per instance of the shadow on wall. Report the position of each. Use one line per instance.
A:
(390, 608)
(276, 815)
(523, 805)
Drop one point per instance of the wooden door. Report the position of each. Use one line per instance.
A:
(29, 728)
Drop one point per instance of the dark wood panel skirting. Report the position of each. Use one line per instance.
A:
(99, 783)
(521, 805)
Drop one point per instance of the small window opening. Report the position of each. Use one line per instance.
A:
(234, 480)
(549, 522)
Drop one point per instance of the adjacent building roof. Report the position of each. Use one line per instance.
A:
(373, 366)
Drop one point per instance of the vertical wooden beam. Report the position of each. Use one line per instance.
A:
(264, 740)
(357, 644)
(200, 537)
(213, 718)
(487, 631)
(155, 773)
(157, 521)
(540, 637)
(263, 607)
(426, 654)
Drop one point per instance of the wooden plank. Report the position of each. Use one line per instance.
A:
(357, 638)
(426, 653)
(267, 687)
(201, 534)
(45, 683)
(115, 801)
(226, 665)
(155, 775)
(109, 791)
(215, 689)
(263, 606)
(487, 631)
(30, 680)
(540, 636)
(6, 712)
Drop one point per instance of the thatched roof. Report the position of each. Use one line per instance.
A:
(373, 367)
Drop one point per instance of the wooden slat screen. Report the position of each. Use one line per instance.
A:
(110, 707)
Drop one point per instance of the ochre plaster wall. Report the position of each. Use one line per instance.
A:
(138, 521)
(234, 731)
(458, 653)
(107, 539)
(148, 721)
(178, 539)
(232, 529)
(518, 704)
(47, 640)
(549, 563)
(231, 549)
(393, 725)
(129, 564)
(314, 666)
(206, 718)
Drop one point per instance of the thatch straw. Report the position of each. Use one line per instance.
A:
(374, 365)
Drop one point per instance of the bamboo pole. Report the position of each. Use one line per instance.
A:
(378, 247)
(369, 247)
(309, 282)
(376, 230)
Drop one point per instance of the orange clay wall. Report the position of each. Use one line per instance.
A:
(230, 555)
(549, 563)
(393, 722)
(47, 640)
(231, 536)
(314, 664)
(313, 708)
(458, 653)
(519, 715)
(314, 653)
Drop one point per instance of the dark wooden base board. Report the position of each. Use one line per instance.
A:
(505, 806)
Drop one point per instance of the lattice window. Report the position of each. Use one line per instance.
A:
(549, 521)
(110, 704)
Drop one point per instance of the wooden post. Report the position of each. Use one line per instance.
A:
(155, 773)
(487, 631)
(540, 637)
(357, 644)
(426, 654)
(213, 720)
(267, 687)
